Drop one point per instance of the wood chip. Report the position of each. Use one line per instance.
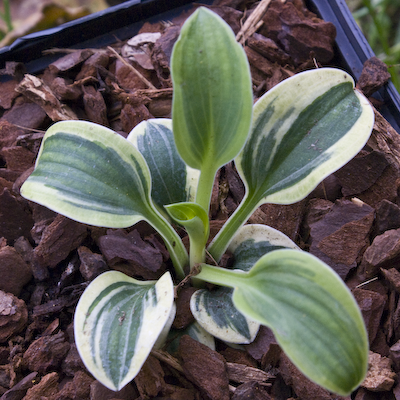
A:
(38, 92)
(241, 373)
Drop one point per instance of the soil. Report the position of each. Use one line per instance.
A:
(351, 221)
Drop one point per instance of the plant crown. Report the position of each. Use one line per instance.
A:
(294, 136)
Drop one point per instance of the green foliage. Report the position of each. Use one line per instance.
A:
(320, 319)
(5, 15)
(295, 135)
(380, 23)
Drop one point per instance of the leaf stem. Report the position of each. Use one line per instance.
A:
(221, 276)
(204, 188)
(221, 242)
(172, 241)
(197, 253)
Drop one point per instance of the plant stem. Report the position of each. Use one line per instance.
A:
(173, 242)
(204, 188)
(221, 242)
(221, 276)
(197, 254)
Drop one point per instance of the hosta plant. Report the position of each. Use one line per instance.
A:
(295, 135)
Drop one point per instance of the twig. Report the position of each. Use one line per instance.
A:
(253, 23)
(30, 129)
(366, 282)
(195, 271)
(142, 78)
(56, 50)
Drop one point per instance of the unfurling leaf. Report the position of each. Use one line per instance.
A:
(212, 102)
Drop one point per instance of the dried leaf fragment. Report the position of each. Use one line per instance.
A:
(138, 48)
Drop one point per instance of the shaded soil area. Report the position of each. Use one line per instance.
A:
(351, 221)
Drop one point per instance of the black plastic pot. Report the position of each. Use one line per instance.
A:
(124, 20)
(96, 30)
(353, 50)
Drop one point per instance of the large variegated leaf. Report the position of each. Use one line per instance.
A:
(214, 310)
(172, 180)
(303, 129)
(312, 313)
(91, 174)
(117, 322)
(212, 102)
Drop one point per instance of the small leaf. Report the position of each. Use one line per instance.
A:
(216, 313)
(117, 322)
(312, 313)
(253, 241)
(91, 174)
(214, 310)
(172, 180)
(194, 218)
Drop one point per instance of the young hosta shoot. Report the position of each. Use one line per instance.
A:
(298, 133)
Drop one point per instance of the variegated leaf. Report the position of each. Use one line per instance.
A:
(252, 241)
(312, 313)
(117, 322)
(304, 129)
(172, 180)
(212, 101)
(214, 310)
(91, 174)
